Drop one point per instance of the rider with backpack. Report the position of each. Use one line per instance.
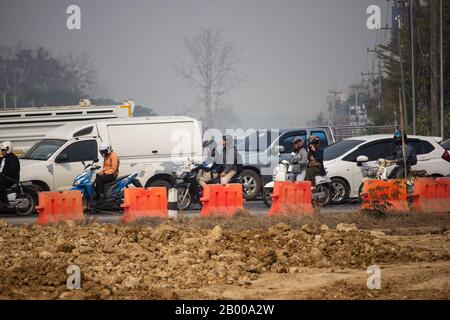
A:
(411, 159)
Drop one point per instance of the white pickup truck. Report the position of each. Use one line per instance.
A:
(151, 146)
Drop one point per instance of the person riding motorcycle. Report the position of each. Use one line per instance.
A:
(411, 159)
(10, 173)
(110, 169)
(299, 159)
(211, 169)
(315, 160)
(231, 160)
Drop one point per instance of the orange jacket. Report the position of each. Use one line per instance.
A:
(111, 164)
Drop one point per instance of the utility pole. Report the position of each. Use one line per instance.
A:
(333, 106)
(4, 100)
(442, 79)
(413, 77)
(434, 68)
(402, 74)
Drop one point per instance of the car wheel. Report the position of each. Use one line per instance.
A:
(339, 191)
(325, 195)
(251, 184)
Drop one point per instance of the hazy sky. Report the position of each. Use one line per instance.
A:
(294, 51)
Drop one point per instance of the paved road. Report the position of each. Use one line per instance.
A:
(256, 207)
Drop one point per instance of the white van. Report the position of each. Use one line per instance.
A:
(151, 146)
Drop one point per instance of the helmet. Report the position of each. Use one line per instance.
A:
(298, 140)
(313, 140)
(398, 137)
(105, 148)
(6, 145)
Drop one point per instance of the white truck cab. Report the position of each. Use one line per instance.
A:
(151, 146)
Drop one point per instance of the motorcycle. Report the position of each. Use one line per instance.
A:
(283, 172)
(189, 191)
(380, 172)
(22, 197)
(114, 191)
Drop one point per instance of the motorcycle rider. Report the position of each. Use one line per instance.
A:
(232, 160)
(10, 173)
(315, 160)
(299, 159)
(411, 159)
(211, 169)
(110, 169)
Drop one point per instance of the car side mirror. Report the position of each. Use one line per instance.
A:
(360, 160)
(61, 158)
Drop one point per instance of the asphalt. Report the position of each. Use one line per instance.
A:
(255, 207)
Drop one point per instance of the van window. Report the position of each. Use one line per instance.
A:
(153, 139)
(82, 151)
(322, 136)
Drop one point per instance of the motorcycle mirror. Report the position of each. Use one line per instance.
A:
(277, 150)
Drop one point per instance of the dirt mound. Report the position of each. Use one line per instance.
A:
(157, 261)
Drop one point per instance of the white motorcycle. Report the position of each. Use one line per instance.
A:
(380, 172)
(283, 172)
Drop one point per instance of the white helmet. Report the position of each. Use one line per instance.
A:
(105, 147)
(6, 145)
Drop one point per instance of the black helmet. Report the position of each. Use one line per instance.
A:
(313, 140)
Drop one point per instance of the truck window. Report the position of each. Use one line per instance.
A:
(286, 139)
(82, 151)
(43, 149)
(322, 136)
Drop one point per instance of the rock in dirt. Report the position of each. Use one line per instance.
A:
(377, 234)
(344, 227)
(216, 234)
(278, 229)
(311, 228)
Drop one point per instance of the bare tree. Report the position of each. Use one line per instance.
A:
(81, 76)
(15, 65)
(210, 70)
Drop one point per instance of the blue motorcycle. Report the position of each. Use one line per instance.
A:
(114, 191)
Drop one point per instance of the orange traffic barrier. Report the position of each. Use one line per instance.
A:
(59, 206)
(140, 203)
(291, 198)
(222, 200)
(386, 196)
(432, 195)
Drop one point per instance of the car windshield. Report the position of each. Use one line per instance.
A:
(43, 149)
(339, 148)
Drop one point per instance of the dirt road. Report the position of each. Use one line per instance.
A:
(247, 257)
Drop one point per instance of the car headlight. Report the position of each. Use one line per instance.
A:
(76, 183)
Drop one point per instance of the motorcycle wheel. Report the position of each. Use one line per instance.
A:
(267, 197)
(325, 199)
(29, 207)
(184, 198)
